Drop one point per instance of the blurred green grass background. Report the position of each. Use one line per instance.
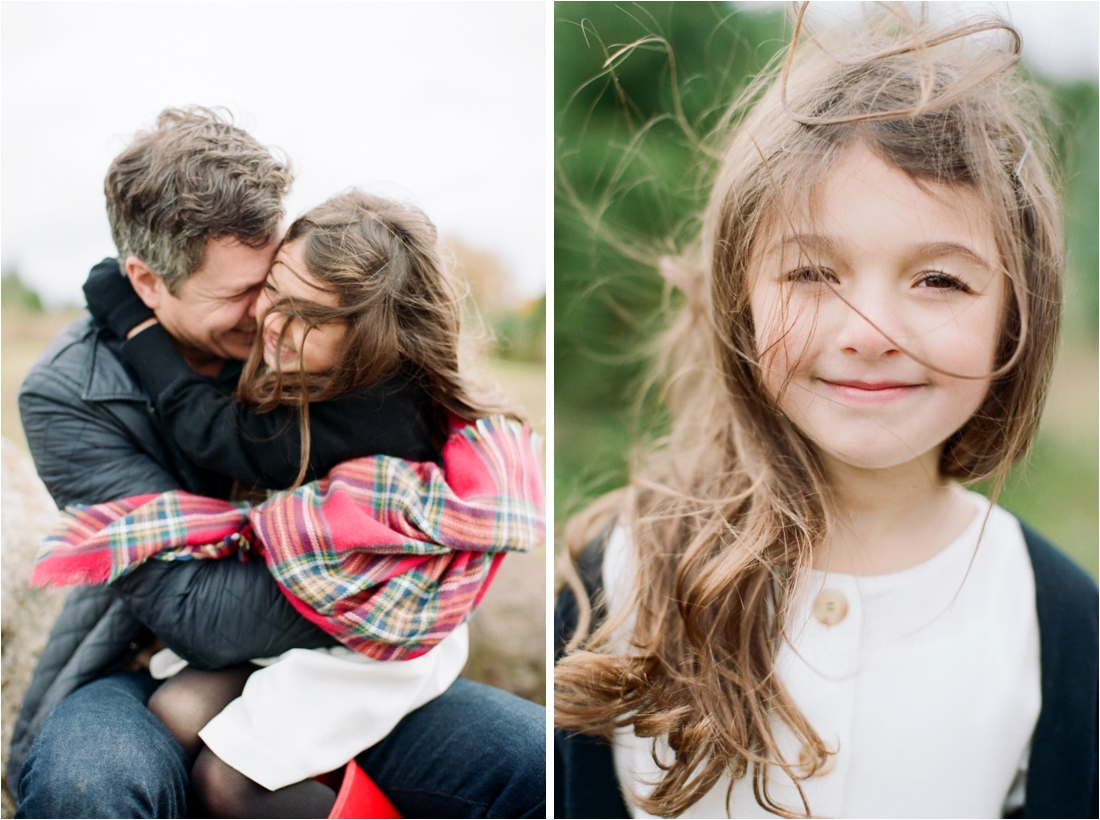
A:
(627, 175)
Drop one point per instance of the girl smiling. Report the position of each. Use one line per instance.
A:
(796, 608)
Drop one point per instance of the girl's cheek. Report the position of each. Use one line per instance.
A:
(775, 359)
(968, 349)
(767, 323)
(786, 338)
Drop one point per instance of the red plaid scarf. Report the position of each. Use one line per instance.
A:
(387, 555)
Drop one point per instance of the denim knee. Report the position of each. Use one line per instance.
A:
(475, 751)
(519, 737)
(101, 753)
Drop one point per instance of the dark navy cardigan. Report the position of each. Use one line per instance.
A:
(1062, 772)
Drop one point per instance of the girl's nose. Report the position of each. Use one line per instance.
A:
(274, 321)
(869, 329)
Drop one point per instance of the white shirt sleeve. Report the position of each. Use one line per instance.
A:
(314, 710)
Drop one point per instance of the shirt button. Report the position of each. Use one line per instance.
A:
(830, 607)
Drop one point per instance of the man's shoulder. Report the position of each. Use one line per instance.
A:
(65, 364)
(82, 362)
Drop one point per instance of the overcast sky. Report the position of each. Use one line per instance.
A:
(439, 104)
(1060, 38)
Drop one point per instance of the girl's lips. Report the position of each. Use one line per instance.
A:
(863, 392)
(860, 385)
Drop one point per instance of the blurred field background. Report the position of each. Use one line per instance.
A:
(621, 156)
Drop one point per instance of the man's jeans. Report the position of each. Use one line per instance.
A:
(474, 751)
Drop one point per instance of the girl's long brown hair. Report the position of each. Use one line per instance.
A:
(724, 512)
(402, 307)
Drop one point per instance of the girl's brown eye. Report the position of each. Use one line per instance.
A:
(943, 281)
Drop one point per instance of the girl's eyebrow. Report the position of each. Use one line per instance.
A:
(298, 275)
(930, 250)
(804, 241)
(283, 263)
(935, 250)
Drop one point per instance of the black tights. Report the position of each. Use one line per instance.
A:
(188, 702)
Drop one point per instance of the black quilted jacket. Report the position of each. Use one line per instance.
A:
(95, 437)
(1062, 771)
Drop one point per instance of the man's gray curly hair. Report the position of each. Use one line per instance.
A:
(194, 177)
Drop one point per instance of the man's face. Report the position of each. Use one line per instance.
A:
(212, 317)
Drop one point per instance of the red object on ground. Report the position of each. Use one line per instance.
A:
(359, 797)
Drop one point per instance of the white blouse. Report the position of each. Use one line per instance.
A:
(924, 682)
(310, 711)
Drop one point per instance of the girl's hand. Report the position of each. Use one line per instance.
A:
(112, 300)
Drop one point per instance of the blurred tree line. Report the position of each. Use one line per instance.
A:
(631, 183)
(629, 186)
(517, 327)
(14, 295)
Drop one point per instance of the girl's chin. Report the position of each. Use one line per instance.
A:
(883, 458)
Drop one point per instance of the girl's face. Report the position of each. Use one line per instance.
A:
(881, 384)
(319, 350)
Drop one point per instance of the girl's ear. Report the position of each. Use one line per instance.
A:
(148, 285)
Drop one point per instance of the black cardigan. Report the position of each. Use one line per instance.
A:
(1062, 772)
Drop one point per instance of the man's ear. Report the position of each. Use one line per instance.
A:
(149, 285)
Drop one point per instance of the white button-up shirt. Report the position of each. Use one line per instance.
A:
(925, 683)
